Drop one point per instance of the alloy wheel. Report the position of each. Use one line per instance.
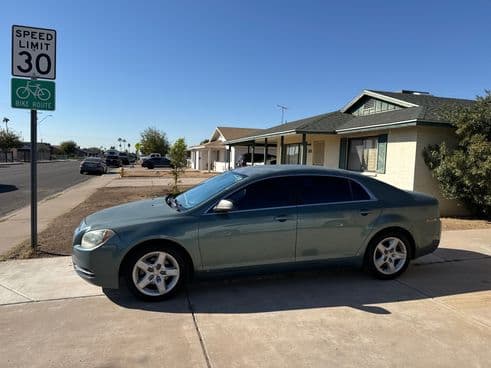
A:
(390, 255)
(156, 273)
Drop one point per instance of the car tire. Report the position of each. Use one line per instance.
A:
(150, 167)
(388, 255)
(155, 273)
(82, 172)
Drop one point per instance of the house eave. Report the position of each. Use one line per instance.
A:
(267, 135)
(397, 124)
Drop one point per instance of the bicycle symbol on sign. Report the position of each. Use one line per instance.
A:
(24, 92)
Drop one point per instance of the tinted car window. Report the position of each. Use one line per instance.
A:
(358, 193)
(274, 192)
(324, 189)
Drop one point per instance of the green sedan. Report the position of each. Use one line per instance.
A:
(261, 217)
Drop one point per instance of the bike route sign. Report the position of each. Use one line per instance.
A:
(33, 52)
(33, 94)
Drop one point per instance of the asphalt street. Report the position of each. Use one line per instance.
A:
(53, 177)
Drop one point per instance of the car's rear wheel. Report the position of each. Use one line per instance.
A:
(388, 255)
(155, 272)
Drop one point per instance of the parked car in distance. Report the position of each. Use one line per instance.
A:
(260, 217)
(93, 165)
(154, 162)
(246, 159)
(123, 156)
(152, 155)
(113, 161)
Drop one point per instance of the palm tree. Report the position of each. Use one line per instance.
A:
(6, 121)
(120, 140)
(124, 143)
(129, 145)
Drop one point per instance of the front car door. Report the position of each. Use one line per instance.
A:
(259, 230)
(335, 215)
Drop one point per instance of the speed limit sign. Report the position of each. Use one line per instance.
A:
(33, 52)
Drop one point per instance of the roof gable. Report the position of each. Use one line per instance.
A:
(377, 95)
(229, 133)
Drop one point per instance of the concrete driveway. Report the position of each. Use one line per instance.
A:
(438, 314)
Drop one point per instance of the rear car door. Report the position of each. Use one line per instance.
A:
(259, 230)
(335, 215)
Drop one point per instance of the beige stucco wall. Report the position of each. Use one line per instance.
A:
(400, 159)
(423, 180)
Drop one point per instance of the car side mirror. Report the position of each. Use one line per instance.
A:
(224, 206)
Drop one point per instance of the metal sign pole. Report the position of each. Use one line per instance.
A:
(34, 185)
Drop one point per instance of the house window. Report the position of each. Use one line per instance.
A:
(292, 153)
(362, 154)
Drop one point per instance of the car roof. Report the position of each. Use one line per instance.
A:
(268, 170)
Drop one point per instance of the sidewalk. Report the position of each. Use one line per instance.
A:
(152, 181)
(16, 226)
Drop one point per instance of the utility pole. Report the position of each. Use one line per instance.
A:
(283, 108)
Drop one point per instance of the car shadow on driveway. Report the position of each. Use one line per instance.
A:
(458, 272)
(5, 188)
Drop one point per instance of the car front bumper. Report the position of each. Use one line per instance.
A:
(98, 266)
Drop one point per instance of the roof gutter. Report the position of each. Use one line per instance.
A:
(267, 135)
(397, 124)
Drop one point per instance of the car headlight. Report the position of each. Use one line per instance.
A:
(94, 238)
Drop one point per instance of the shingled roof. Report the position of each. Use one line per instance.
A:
(416, 108)
(230, 133)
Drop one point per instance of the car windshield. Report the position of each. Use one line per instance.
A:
(207, 189)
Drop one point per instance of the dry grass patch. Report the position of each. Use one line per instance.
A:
(452, 223)
(139, 172)
(57, 238)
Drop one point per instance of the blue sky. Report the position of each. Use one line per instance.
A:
(187, 66)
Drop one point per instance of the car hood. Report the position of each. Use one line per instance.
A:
(131, 213)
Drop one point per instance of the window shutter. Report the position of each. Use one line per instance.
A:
(343, 153)
(382, 153)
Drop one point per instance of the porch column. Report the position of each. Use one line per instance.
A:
(229, 151)
(209, 159)
(304, 149)
(282, 150)
(265, 150)
(253, 151)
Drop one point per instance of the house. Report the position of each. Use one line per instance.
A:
(23, 153)
(215, 155)
(378, 133)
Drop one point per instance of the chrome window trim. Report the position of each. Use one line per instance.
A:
(370, 194)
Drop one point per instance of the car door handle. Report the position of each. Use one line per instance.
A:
(365, 212)
(281, 218)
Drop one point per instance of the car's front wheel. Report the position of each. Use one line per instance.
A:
(155, 272)
(388, 255)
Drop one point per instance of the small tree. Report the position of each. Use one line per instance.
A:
(68, 148)
(177, 155)
(137, 148)
(8, 141)
(464, 173)
(153, 140)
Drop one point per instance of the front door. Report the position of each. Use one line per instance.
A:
(318, 157)
(259, 230)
